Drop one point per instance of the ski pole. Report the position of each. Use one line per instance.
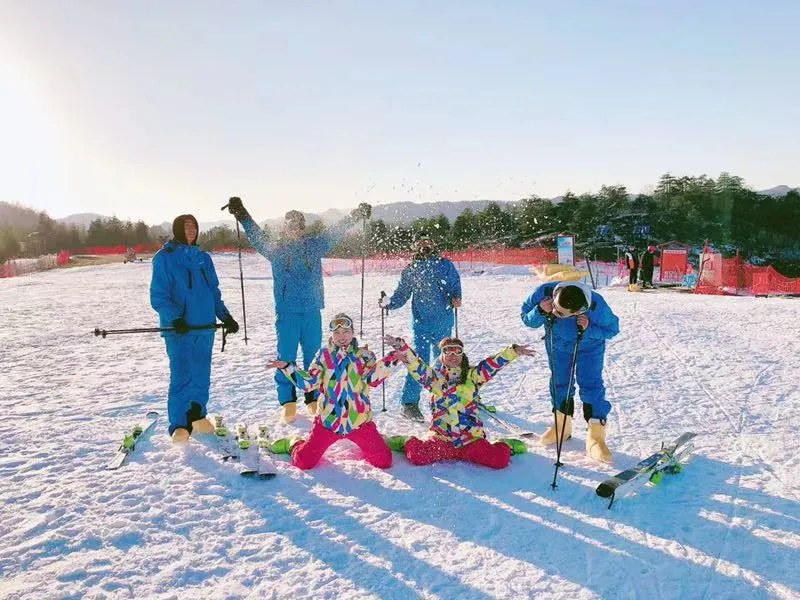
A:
(560, 442)
(241, 275)
(106, 332)
(455, 308)
(589, 267)
(363, 261)
(510, 427)
(241, 280)
(383, 346)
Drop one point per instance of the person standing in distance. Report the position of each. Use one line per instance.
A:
(648, 265)
(434, 286)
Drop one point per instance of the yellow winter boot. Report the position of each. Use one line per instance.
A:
(289, 412)
(203, 426)
(180, 436)
(565, 423)
(596, 441)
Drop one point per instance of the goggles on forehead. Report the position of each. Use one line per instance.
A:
(340, 323)
(453, 349)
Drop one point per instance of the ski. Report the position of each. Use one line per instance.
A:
(266, 467)
(649, 469)
(248, 454)
(227, 447)
(491, 411)
(130, 440)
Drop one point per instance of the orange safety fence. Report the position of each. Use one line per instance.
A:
(735, 276)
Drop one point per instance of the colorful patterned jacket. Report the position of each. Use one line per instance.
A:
(453, 404)
(344, 377)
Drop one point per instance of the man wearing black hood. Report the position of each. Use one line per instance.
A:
(648, 262)
(184, 291)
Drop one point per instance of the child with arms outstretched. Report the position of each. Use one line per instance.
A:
(344, 374)
(456, 430)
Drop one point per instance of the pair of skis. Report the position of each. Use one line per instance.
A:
(253, 455)
(651, 469)
(669, 459)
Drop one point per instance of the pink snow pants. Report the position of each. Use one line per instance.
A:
(306, 455)
(481, 452)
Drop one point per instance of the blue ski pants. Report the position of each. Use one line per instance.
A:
(295, 329)
(589, 377)
(189, 378)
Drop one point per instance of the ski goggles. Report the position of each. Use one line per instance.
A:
(453, 349)
(340, 323)
(560, 313)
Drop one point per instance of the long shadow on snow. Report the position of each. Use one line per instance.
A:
(531, 535)
(338, 555)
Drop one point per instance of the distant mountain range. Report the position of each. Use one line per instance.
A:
(395, 213)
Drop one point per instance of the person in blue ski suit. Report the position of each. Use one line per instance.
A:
(296, 261)
(184, 291)
(577, 321)
(434, 286)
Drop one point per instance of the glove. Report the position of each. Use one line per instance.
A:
(230, 325)
(384, 302)
(363, 212)
(180, 326)
(237, 209)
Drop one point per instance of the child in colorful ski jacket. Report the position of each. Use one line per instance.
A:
(456, 430)
(344, 374)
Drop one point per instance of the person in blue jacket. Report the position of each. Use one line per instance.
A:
(296, 261)
(576, 319)
(184, 291)
(434, 286)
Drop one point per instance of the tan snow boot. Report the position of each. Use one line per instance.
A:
(596, 441)
(180, 436)
(289, 412)
(564, 422)
(203, 426)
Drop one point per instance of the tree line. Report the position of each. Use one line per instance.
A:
(30, 233)
(688, 209)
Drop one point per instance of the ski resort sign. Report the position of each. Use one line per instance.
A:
(566, 248)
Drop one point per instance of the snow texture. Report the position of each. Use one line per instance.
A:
(179, 523)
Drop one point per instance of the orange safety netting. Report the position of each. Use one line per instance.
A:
(735, 276)
(107, 250)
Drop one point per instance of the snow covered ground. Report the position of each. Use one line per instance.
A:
(178, 523)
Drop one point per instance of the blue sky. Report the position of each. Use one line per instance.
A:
(150, 109)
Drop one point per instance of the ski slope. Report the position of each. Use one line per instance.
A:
(178, 523)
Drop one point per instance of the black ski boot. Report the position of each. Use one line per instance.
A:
(412, 412)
